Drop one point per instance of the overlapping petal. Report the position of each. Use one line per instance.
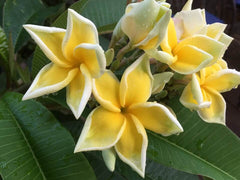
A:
(50, 78)
(136, 83)
(49, 39)
(193, 96)
(132, 146)
(215, 30)
(206, 44)
(191, 59)
(156, 117)
(223, 80)
(79, 30)
(92, 55)
(189, 22)
(79, 90)
(215, 113)
(102, 130)
(106, 91)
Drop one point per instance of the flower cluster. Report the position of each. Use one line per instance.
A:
(184, 43)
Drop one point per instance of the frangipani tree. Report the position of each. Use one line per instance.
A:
(132, 94)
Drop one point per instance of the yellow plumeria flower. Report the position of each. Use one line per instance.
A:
(191, 44)
(203, 92)
(144, 23)
(76, 58)
(123, 114)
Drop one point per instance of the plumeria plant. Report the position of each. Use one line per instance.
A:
(142, 96)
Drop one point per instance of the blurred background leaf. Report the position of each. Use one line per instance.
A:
(34, 144)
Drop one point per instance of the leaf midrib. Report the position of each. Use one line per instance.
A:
(191, 153)
(25, 138)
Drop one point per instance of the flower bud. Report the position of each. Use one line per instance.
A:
(145, 23)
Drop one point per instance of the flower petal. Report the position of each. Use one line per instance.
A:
(156, 35)
(156, 118)
(215, 30)
(225, 39)
(205, 43)
(193, 96)
(170, 40)
(190, 22)
(92, 55)
(132, 146)
(49, 39)
(106, 91)
(161, 56)
(187, 6)
(50, 78)
(159, 81)
(223, 80)
(109, 157)
(190, 59)
(102, 130)
(79, 30)
(213, 69)
(139, 19)
(216, 112)
(79, 91)
(136, 83)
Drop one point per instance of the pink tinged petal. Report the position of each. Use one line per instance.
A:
(106, 91)
(217, 110)
(79, 91)
(223, 80)
(51, 78)
(190, 59)
(49, 39)
(79, 30)
(102, 130)
(92, 55)
(132, 146)
(157, 118)
(205, 43)
(136, 83)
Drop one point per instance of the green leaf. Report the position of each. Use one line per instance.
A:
(3, 48)
(154, 171)
(17, 13)
(34, 145)
(104, 13)
(211, 150)
(37, 18)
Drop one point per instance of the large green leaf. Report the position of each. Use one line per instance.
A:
(33, 145)
(154, 171)
(211, 150)
(17, 13)
(104, 13)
